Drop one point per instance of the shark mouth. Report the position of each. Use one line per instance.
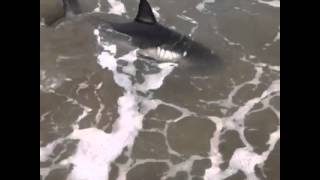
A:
(160, 54)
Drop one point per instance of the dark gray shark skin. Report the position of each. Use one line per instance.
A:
(157, 42)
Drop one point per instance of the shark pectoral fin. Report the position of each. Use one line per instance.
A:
(145, 14)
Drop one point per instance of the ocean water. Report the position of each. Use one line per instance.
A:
(107, 115)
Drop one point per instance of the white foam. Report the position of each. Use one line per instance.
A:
(82, 86)
(156, 13)
(183, 166)
(188, 19)
(154, 81)
(274, 3)
(48, 149)
(101, 105)
(42, 22)
(201, 6)
(105, 57)
(95, 151)
(215, 155)
(49, 83)
(252, 56)
(98, 8)
(117, 7)
(277, 37)
(246, 160)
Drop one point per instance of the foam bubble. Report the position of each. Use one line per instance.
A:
(117, 7)
(156, 13)
(98, 8)
(273, 3)
(246, 160)
(201, 6)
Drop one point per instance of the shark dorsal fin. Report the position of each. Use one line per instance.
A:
(145, 14)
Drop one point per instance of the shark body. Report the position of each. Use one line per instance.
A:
(155, 41)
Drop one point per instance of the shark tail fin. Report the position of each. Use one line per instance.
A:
(145, 14)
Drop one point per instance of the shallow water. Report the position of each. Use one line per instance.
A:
(105, 114)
